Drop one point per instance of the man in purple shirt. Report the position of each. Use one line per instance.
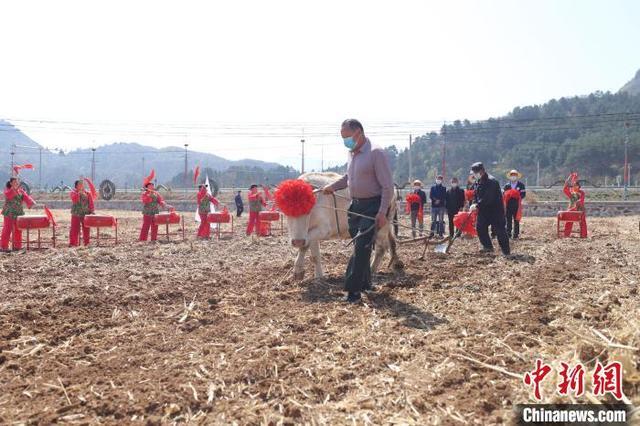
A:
(371, 188)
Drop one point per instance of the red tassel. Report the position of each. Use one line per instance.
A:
(92, 188)
(50, 216)
(18, 167)
(294, 197)
(149, 178)
(196, 173)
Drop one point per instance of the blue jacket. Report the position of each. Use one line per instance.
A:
(438, 193)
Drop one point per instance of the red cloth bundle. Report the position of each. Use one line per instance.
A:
(468, 194)
(513, 194)
(413, 198)
(294, 197)
(466, 222)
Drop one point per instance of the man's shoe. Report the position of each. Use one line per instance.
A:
(515, 237)
(370, 289)
(353, 298)
(486, 250)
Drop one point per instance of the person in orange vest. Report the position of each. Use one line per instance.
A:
(81, 205)
(204, 208)
(576, 195)
(151, 203)
(256, 202)
(14, 197)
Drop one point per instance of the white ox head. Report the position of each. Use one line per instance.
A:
(299, 228)
(308, 217)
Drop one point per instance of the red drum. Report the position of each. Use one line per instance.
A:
(570, 216)
(33, 222)
(219, 217)
(99, 221)
(268, 216)
(167, 218)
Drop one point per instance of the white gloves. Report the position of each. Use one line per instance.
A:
(473, 207)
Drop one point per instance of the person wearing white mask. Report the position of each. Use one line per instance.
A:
(454, 203)
(438, 196)
(418, 208)
(511, 210)
(487, 200)
(370, 184)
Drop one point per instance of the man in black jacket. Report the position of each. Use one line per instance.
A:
(488, 201)
(454, 202)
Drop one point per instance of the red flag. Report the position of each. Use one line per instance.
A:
(267, 194)
(149, 178)
(196, 173)
(50, 215)
(92, 188)
(17, 167)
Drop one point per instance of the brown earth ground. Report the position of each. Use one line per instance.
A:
(218, 332)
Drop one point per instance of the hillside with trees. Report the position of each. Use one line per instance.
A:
(583, 133)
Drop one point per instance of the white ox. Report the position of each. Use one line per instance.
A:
(324, 222)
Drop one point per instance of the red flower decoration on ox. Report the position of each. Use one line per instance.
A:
(294, 197)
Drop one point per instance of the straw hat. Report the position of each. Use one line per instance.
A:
(514, 172)
(417, 182)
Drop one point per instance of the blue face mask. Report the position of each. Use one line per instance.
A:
(350, 143)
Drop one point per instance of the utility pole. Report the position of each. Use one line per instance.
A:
(40, 170)
(538, 174)
(186, 145)
(444, 150)
(302, 142)
(410, 159)
(93, 164)
(625, 175)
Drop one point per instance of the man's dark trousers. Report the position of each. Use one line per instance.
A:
(512, 222)
(497, 221)
(358, 276)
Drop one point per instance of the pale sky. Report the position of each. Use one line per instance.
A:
(241, 79)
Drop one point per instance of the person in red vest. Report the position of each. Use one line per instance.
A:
(256, 202)
(14, 197)
(513, 195)
(576, 196)
(151, 203)
(81, 205)
(204, 208)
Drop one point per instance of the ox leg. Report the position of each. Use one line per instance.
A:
(395, 263)
(382, 243)
(298, 266)
(315, 258)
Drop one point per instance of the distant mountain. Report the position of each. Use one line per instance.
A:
(123, 163)
(10, 135)
(633, 86)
